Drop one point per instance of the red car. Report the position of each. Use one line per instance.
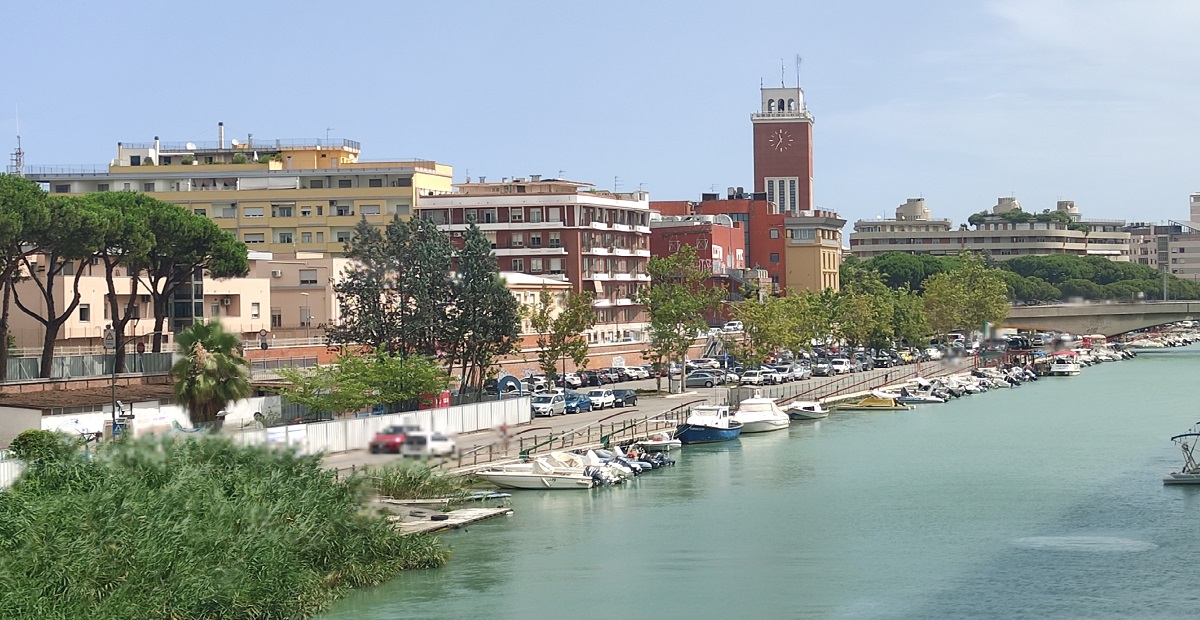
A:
(391, 438)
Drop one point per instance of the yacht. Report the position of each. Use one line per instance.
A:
(761, 415)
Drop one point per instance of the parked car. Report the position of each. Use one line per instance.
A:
(591, 377)
(708, 362)
(701, 378)
(624, 398)
(787, 371)
(840, 365)
(752, 377)
(775, 376)
(601, 398)
(617, 373)
(427, 443)
(733, 326)
(729, 376)
(864, 362)
(390, 439)
(802, 371)
(577, 402)
(822, 367)
(570, 380)
(608, 375)
(549, 404)
(637, 372)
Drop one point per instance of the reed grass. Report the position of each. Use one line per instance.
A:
(415, 480)
(189, 529)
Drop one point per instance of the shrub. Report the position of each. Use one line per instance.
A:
(239, 158)
(189, 529)
(412, 480)
(187, 160)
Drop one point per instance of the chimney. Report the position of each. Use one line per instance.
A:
(221, 135)
(156, 149)
(482, 179)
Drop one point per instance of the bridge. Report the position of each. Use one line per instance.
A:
(1110, 319)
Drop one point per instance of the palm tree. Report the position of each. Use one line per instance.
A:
(212, 372)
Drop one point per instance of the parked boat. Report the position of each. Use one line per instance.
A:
(661, 440)
(1065, 364)
(537, 475)
(708, 424)
(806, 410)
(761, 415)
(1190, 473)
(875, 403)
(906, 397)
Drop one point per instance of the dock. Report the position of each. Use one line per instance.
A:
(454, 520)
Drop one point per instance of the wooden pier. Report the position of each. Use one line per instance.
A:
(454, 520)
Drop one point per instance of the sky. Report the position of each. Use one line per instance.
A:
(958, 102)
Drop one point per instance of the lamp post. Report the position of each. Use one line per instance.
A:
(307, 316)
(110, 344)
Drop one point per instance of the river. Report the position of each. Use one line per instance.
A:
(1043, 501)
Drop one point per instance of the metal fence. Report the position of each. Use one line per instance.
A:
(87, 366)
(265, 369)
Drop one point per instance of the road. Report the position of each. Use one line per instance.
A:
(649, 405)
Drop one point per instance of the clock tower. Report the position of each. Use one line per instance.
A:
(783, 168)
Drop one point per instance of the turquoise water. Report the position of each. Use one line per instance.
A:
(1043, 501)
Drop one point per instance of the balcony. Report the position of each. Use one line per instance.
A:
(598, 275)
(602, 303)
(599, 226)
(645, 230)
(624, 301)
(642, 277)
(622, 252)
(623, 276)
(596, 250)
(622, 227)
(642, 253)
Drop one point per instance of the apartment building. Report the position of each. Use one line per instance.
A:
(596, 240)
(275, 195)
(813, 251)
(527, 290)
(914, 231)
(1173, 247)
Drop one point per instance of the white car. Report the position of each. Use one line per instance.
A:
(572, 380)
(601, 398)
(549, 404)
(841, 366)
(427, 443)
(636, 372)
(752, 377)
(934, 353)
(733, 326)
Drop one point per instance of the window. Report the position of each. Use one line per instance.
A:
(308, 276)
(370, 209)
(518, 240)
(556, 265)
(255, 238)
(487, 216)
(792, 193)
(516, 215)
(470, 215)
(320, 237)
(148, 187)
(62, 189)
(254, 212)
(316, 184)
(305, 211)
(535, 215)
(344, 210)
(320, 210)
(342, 236)
(374, 182)
(535, 240)
(305, 237)
(135, 160)
(126, 188)
(255, 310)
(215, 310)
(535, 265)
(554, 214)
(405, 182)
(518, 264)
(282, 210)
(102, 187)
(774, 257)
(286, 237)
(276, 317)
(230, 212)
(774, 233)
(85, 313)
(344, 183)
(555, 240)
(200, 211)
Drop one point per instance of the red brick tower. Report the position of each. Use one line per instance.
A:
(783, 164)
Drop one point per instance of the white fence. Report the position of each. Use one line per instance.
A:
(9, 470)
(356, 433)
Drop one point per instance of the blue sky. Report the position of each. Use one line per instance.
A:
(959, 102)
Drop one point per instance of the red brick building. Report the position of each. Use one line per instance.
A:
(759, 221)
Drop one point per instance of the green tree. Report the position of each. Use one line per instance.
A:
(944, 300)
(858, 317)
(483, 319)
(909, 322)
(985, 292)
(23, 212)
(767, 326)
(65, 241)
(676, 301)
(559, 324)
(211, 372)
(358, 381)
(125, 242)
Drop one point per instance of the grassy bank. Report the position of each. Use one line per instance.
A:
(189, 529)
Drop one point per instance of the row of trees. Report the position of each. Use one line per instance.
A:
(410, 294)
(1041, 278)
(51, 241)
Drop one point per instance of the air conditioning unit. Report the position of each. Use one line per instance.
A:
(224, 301)
(276, 273)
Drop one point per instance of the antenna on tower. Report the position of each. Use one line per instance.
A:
(782, 68)
(797, 70)
(616, 183)
(17, 165)
(327, 130)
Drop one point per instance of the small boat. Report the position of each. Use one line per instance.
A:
(761, 415)
(1190, 473)
(1065, 365)
(875, 403)
(906, 397)
(537, 475)
(708, 424)
(661, 440)
(806, 410)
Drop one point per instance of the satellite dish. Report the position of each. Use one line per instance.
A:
(191, 146)
(234, 142)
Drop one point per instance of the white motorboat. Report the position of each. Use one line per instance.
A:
(1064, 366)
(1190, 473)
(662, 440)
(906, 397)
(761, 415)
(537, 474)
(806, 410)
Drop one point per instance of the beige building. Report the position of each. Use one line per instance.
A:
(275, 195)
(914, 231)
(1173, 247)
(814, 251)
(527, 289)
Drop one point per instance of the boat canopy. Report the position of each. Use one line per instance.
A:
(1065, 353)
(1185, 435)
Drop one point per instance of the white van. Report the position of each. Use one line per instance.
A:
(733, 326)
(427, 443)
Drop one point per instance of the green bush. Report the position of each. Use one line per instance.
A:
(239, 158)
(187, 160)
(414, 480)
(190, 529)
(37, 446)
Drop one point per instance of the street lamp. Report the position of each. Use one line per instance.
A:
(307, 316)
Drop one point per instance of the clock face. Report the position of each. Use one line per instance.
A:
(780, 140)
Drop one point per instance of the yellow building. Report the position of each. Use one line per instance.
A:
(813, 251)
(276, 195)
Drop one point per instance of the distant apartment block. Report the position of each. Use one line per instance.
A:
(1173, 247)
(914, 231)
(598, 241)
(275, 195)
